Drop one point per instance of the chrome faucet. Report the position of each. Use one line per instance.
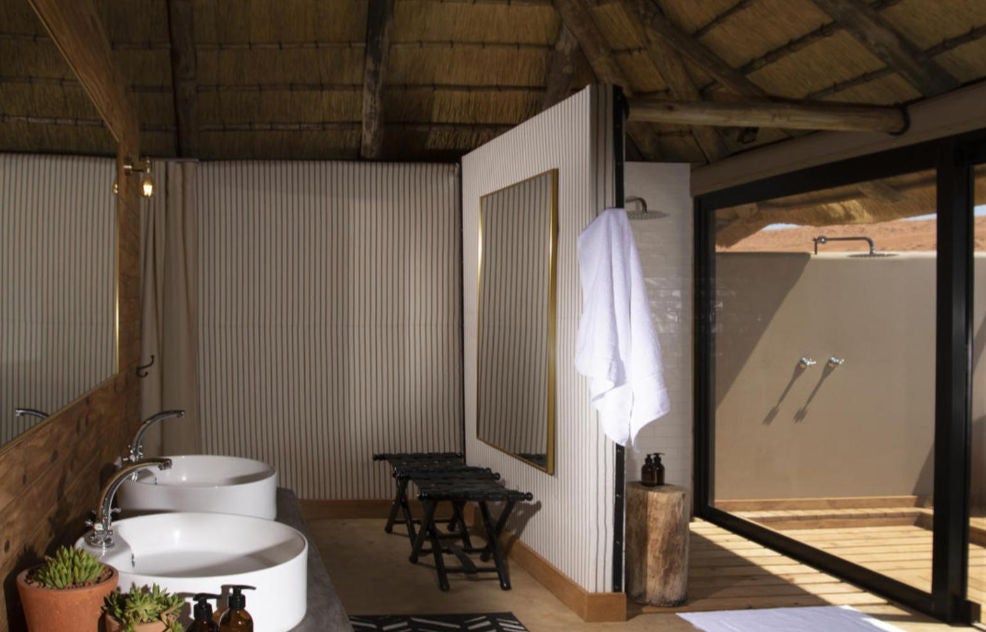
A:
(102, 527)
(822, 239)
(136, 454)
(30, 412)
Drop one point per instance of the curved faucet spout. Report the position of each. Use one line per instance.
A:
(102, 528)
(137, 445)
(30, 412)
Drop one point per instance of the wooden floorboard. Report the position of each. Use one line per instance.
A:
(863, 536)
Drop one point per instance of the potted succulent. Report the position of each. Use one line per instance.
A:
(65, 593)
(143, 610)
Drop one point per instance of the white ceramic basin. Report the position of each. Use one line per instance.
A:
(190, 553)
(203, 482)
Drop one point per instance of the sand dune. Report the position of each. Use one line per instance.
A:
(897, 236)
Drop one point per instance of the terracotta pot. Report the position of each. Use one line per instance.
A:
(112, 625)
(66, 610)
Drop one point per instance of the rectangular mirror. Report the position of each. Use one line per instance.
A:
(518, 227)
(58, 231)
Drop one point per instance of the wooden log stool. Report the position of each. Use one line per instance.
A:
(657, 544)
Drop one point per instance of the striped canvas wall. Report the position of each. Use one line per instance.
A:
(572, 526)
(57, 271)
(516, 316)
(330, 323)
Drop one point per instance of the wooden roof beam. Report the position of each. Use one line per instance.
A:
(76, 29)
(379, 19)
(869, 27)
(562, 67)
(181, 29)
(671, 67)
(789, 115)
(650, 15)
(577, 18)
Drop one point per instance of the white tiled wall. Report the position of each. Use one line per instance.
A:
(664, 240)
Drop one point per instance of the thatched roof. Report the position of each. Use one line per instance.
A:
(312, 79)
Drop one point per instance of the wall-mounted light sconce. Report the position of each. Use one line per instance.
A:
(141, 166)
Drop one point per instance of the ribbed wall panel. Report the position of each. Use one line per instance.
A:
(330, 326)
(57, 262)
(573, 525)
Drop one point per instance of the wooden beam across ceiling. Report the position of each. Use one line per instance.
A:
(869, 27)
(379, 19)
(577, 18)
(790, 115)
(76, 29)
(672, 69)
(650, 15)
(181, 29)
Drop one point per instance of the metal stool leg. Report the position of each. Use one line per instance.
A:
(419, 540)
(399, 500)
(494, 545)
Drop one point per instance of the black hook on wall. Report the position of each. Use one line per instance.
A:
(142, 368)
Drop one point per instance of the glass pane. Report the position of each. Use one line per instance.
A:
(977, 528)
(825, 370)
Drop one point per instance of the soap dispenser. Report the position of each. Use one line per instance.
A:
(658, 469)
(236, 618)
(647, 472)
(203, 614)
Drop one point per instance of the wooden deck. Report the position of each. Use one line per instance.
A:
(729, 572)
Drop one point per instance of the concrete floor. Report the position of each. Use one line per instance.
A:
(372, 573)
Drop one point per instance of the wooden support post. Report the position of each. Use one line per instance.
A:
(813, 116)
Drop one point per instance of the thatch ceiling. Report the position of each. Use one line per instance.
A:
(301, 79)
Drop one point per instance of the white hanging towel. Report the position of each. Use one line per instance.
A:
(616, 347)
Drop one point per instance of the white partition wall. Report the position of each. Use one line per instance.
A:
(572, 527)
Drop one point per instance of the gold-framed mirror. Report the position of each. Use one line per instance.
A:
(515, 395)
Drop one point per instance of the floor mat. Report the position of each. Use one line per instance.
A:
(492, 622)
(810, 619)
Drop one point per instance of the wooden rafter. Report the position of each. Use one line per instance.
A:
(181, 29)
(76, 29)
(651, 16)
(791, 115)
(577, 18)
(672, 69)
(379, 18)
(869, 27)
(561, 69)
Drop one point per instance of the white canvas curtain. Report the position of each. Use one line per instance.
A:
(169, 310)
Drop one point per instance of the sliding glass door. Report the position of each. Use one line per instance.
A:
(838, 417)
(825, 369)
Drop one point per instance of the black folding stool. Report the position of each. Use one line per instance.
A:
(402, 465)
(458, 491)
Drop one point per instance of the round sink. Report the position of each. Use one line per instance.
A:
(204, 482)
(190, 553)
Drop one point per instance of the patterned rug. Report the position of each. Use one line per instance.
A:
(491, 622)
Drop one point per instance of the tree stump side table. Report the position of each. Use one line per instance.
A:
(657, 544)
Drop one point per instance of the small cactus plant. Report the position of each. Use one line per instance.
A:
(69, 567)
(144, 605)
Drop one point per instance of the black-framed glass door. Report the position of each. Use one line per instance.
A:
(833, 384)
